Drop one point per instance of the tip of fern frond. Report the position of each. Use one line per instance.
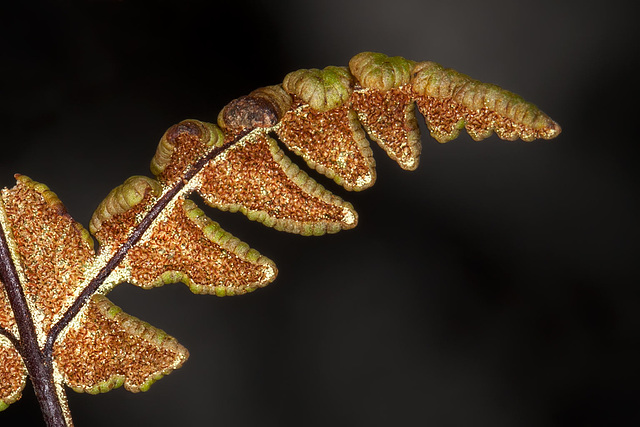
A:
(554, 130)
(544, 128)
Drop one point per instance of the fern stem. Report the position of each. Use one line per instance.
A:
(134, 237)
(39, 371)
(39, 363)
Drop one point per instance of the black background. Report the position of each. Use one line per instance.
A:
(495, 286)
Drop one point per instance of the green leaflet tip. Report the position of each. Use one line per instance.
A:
(147, 385)
(123, 198)
(379, 71)
(181, 145)
(323, 89)
(450, 100)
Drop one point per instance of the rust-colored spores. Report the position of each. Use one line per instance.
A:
(116, 215)
(109, 348)
(389, 118)
(12, 373)
(188, 247)
(53, 249)
(256, 178)
(7, 321)
(451, 101)
(332, 142)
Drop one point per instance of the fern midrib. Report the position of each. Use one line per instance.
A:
(39, 363)
(27, 345)
(134, 237)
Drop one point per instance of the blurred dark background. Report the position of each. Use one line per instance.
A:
(495, 286)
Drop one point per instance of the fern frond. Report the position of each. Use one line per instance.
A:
(55, 322)
(329, 109)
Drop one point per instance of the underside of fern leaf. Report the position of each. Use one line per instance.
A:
(56, 325)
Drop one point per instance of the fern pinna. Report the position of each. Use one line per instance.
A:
(56, 325)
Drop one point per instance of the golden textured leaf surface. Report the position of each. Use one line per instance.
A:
(385, 108)
(205, 257)
(54, 251)
(55, 260)
(7, 321)
(394, 126)
(108, 348)
(13, 374)
(256, 178)
(332, 142)
(451, 101)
